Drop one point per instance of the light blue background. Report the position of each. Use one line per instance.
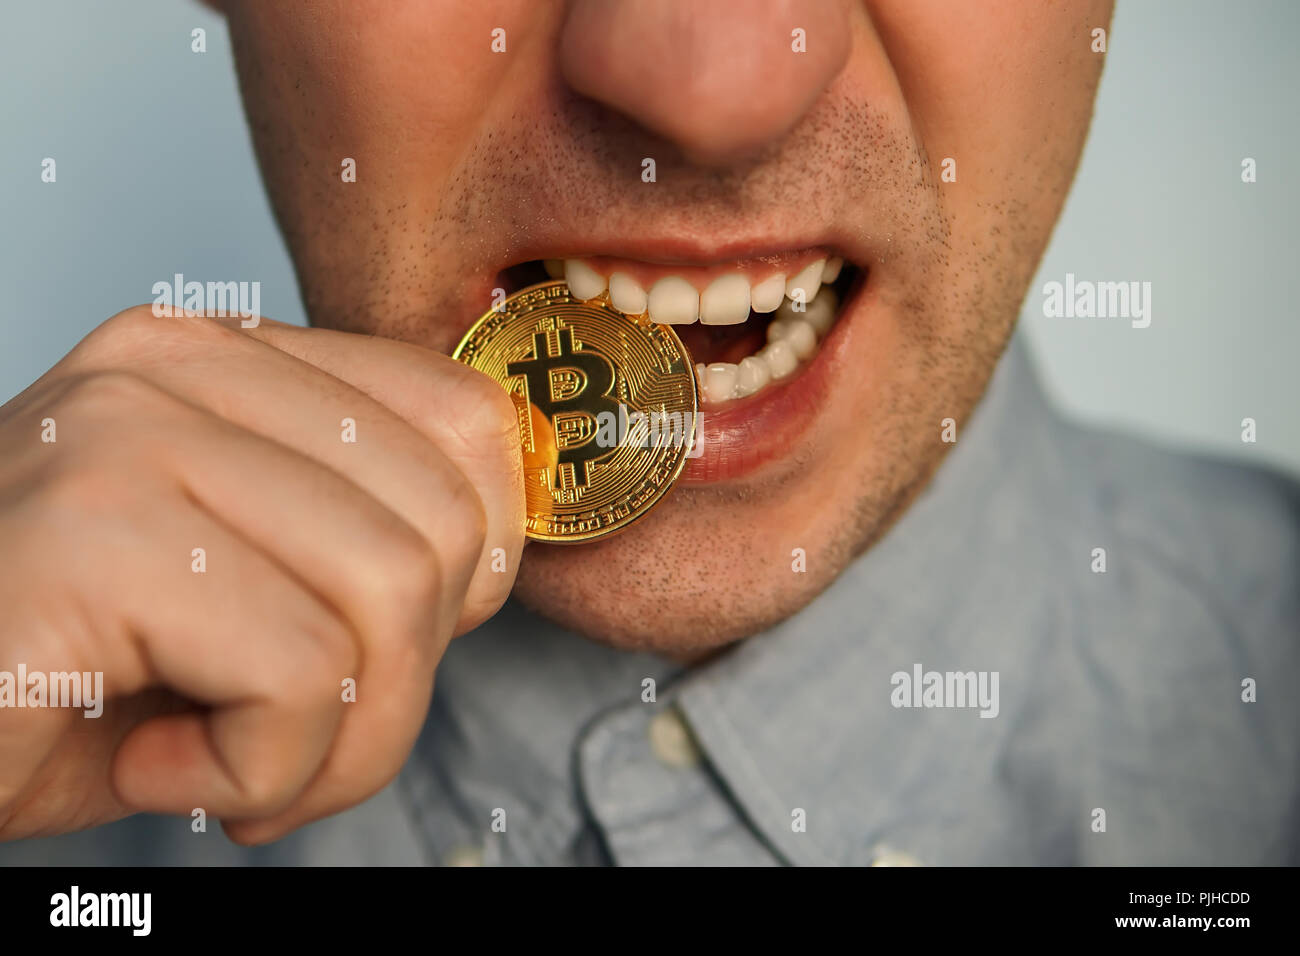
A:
(156, 175)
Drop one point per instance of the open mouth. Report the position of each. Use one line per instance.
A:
(749, 325)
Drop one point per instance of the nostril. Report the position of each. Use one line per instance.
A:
(718, 79)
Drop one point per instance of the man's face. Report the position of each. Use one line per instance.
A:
(471, 162)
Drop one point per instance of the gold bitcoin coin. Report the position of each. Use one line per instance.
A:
(606, 405)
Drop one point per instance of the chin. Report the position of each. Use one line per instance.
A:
(644, 590)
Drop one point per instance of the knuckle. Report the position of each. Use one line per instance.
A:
(465, 522)
(332, 657)
(299, 671)
(109, 394)
(412, 578)
(457, 533)
(123, 335)
(140, 332)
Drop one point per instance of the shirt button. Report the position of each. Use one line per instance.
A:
(464, 856)
(671, 740)
(887, 857)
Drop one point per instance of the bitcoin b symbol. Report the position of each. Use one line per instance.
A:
(570, 388)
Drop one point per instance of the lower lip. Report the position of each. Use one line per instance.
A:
(742, 436)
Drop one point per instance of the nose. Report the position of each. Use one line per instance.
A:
(718, 78)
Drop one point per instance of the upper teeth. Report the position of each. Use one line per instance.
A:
(673, 300)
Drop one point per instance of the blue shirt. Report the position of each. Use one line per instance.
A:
(1126, 729)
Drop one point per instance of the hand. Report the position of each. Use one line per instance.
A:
(322, 560)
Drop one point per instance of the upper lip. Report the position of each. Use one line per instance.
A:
(683, 251)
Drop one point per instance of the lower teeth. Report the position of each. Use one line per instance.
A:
(792, 337)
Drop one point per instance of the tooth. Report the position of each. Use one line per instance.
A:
(778, 327)
(720, 382)
(754, 373)
(554, 268)
(832, 270)
(809, 279)
(821, 311)
(674, 301)
(780, 358)
(584, 281)
(699, 376)
(725, 301)
(626, 294)
(801, 338)
(768, 294)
